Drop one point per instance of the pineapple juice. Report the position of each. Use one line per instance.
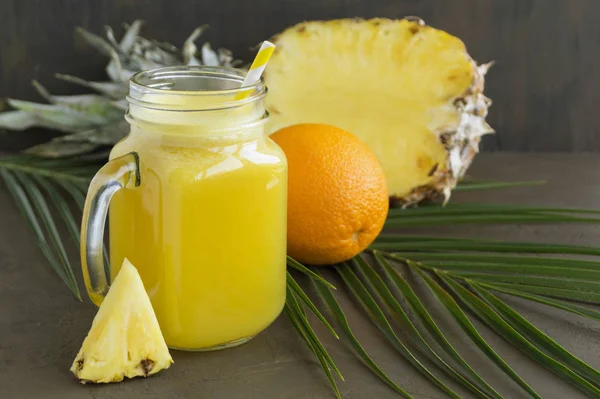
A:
(206, 227)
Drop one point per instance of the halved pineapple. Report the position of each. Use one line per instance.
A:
(125, 339)
(410, 92)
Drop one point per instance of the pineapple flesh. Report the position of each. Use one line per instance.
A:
(125, 339)
(410, 92)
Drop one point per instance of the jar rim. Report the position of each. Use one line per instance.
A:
(219, 84)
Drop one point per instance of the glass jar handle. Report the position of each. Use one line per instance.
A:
(121, 172)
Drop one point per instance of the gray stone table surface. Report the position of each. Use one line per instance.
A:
(42, 326)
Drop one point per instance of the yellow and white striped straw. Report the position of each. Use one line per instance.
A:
(259, 64)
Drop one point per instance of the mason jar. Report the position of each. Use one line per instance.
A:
(197, 195)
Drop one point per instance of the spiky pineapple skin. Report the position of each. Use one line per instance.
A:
(125, 339)
(411, 92)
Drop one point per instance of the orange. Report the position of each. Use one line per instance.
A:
(337, 193)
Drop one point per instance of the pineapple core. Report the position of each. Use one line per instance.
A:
(397, 85)
(125, 339)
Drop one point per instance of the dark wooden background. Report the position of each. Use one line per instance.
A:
(545, 85)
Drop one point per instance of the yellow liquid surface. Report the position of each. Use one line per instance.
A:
(206, 229)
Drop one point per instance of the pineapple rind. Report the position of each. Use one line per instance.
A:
(125, 339)
(411, 92)
(461, 143)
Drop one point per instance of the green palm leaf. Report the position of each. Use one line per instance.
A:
(516, 337)
(473, 185)
(397, 243)
(459, 315)
(302, 325)
(556, 303)
(474, 208)
(417, 306)
(591, 288)
(26, 188)
(301, 296)
(504, 218)
(535, 335)
(467, 258)
(377, 316)
(340, 316)
(552, 292)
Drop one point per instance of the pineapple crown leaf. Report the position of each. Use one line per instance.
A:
(189, 47)
(90, 121)
(112, 90)
(131, 33)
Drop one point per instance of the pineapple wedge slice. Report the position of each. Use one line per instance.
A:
(125, 339)
(411, 92)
